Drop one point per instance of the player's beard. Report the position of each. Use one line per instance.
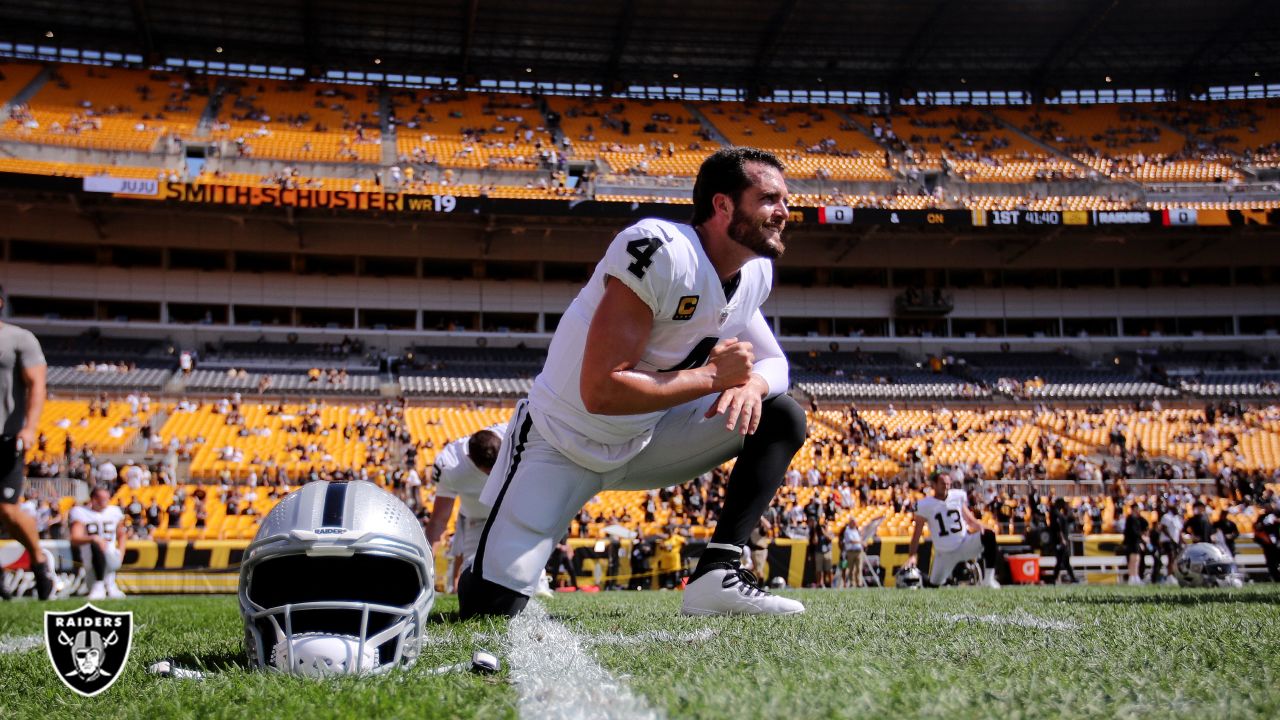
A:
(756, 236)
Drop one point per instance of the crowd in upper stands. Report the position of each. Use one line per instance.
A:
(440, 133)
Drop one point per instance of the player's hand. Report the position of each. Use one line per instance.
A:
(910, 563)
(741, 407)
(26, 439)
(731, 363)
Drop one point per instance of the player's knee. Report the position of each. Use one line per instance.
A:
(782, 420)
(478, 597)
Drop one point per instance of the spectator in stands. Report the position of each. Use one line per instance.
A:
(43, 513)
(22, 393)
(1168, 542)
(1266, 533)
(201, 512)
(761, 537)
(819, 549)
(175, 514)
(106, 474)
(1198, 528)
(852, 554)
(1061, 526)
(56, 528)
(562, 561)
(1226, 532)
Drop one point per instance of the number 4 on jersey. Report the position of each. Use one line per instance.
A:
(642, 249)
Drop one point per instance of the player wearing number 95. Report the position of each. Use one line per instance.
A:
(661, 369)
(957, 535)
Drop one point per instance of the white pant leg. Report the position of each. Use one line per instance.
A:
(537, 495)
(86, 561)
(114, 559)
(944, 563)
(684, 445)
(466, 538)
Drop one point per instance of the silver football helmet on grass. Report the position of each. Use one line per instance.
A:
(908, 577)
(338, 580)
(1206, 565)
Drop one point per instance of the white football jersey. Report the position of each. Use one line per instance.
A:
(946, 519)
(457, 477)
(103, 524)
(1171, 524)
(665, 265)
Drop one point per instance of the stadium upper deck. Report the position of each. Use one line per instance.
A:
(256, 132)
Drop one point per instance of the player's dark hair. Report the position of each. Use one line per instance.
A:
(725, 172)
(483, 447)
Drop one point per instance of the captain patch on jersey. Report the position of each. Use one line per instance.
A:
(684, 311)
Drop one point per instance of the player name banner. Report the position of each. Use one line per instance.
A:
(267, 197)
(281, 197)
(121, 186)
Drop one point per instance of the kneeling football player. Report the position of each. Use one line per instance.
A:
(661, 369)
(957, 535)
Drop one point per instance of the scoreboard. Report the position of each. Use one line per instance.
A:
(846, 215)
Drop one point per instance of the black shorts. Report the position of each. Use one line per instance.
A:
(12, 464)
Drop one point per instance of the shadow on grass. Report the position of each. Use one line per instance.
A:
(452, 618)
(1208, 597)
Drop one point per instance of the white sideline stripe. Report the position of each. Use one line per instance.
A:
(654, 636)
(557, 679)
(1020, 619)
(20, 643)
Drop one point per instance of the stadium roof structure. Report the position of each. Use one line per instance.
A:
(893, 46)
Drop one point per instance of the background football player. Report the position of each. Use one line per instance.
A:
(661, 369)
(459, 472)
(957, 535)
(98, 534)
(22, 393)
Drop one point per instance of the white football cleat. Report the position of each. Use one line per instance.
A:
(990, 582)
(1135, 580)
(113, 591)
(544, 586)
(734, 591)
(98, 591)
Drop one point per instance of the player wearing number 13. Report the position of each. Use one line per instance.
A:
(661, 369)
(957, 536)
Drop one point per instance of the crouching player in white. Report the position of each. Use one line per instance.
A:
(957, 535)
(459, 473)
(98, 533)
(661, 369)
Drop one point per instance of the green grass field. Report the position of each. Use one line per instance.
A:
(1101, 652)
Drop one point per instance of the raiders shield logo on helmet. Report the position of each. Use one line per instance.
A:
(88, 647)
